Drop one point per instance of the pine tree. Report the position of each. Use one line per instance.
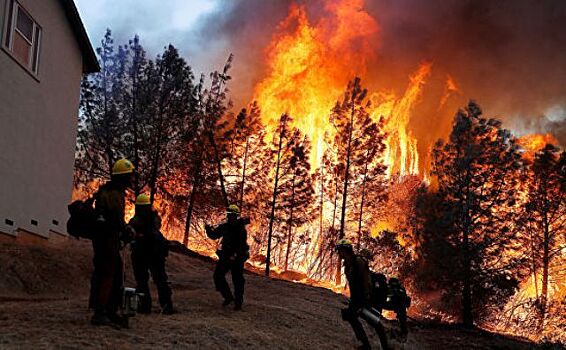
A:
(284, 141)
(211, 106)
(545, 215)
(358, 143)
(477, 173)
(101, 126)
(297, 193)
(168, 91)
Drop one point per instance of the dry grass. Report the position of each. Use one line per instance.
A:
(45, 296)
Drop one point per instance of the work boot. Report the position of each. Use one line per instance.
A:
(227, 301)
(144, 307)
(144, 310)
(168, 309)
(99, 319)
(119, 321)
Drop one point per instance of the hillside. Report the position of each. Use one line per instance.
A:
(43, 298)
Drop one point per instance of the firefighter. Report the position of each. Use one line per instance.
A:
(107, 277)
(358, 276)
(149, 252)
(232, 254)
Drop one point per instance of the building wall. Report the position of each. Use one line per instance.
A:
(38, 122)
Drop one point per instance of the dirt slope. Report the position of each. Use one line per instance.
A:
(43, 298)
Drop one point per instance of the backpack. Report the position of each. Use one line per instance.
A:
(379, 289)
(82, 222)
(388, 295)
(397, 296)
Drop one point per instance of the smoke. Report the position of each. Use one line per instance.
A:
(508, 55)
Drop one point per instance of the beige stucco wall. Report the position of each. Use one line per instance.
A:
(38, 121)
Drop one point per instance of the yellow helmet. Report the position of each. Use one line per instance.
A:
(143, 199)
(344, 243)
(233, 209)
(122, 166)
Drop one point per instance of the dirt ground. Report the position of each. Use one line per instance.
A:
(43, 299)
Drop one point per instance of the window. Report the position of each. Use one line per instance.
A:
(23, 36)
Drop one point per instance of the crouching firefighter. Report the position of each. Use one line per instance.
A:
(110, 236)
(232, 254)
(358, 276)
(391, 296)
(149, 253)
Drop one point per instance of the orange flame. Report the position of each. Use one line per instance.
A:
(535, 142)
(309, 66)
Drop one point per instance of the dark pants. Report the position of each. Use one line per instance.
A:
(237, 267)
(107, 277)
(402, 318)
(144, 262)
(354, 321)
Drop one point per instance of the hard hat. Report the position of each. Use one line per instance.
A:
(233, 209)
(344, 243)
(122, 166)
(143, 199)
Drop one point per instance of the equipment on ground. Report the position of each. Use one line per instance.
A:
(130, 301)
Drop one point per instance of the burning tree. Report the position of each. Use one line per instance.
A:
(296, 189)
(545, 217)
(328, 191)
(202, 146)
(135, 108)
(358, 143)
(477, 173)
(169, 93)
(247, 175)
(290, 150)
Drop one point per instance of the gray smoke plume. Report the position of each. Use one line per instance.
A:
(509, 55)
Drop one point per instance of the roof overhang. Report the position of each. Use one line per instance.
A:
(90, 61)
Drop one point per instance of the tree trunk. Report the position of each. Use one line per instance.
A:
(108, 135)
(467, 314)
(219, 168)
(290, 224)
(196, 182)
(156, 160)
(243, 185)
(545, 265)
(321, 214)
(135, 131)
(272, 215)
(362, 204)
(533, 263)
(345, 192)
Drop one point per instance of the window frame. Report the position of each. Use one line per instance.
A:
(10, 29)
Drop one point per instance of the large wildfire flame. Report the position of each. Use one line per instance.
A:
(309, 66)
(535, 142)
